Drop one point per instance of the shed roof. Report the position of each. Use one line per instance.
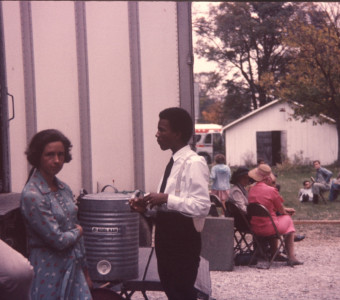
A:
(264, 107)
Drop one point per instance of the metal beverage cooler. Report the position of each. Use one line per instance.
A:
(111, 234)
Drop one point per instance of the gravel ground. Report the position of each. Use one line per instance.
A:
(318, 278)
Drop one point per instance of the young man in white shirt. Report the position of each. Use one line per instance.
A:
(182, 202)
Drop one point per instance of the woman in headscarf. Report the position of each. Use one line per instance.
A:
(238, 193)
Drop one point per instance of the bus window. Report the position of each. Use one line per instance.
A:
(218, 143)
(207, 139)
(197, 137)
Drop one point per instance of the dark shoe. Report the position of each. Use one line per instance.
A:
(280, 258)
(293, 263)
(315, 198)
(299, 238)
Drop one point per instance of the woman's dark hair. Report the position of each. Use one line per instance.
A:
(40, 140)
(179, 120)
(220, 158)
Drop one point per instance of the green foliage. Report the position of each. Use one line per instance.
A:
(290, 180)
(210, 108)
(313, 77)
(237, 102)
(245, 38)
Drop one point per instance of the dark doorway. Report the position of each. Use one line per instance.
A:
(269, 146)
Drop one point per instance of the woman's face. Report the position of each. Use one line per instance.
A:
(52, 159)
(244, 180)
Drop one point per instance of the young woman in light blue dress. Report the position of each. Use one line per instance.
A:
(50, 212)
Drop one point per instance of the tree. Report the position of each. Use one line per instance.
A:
(210, 104)
(313, 78)
(237, 103)
(244, 38)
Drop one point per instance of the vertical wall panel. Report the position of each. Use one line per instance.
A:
(110, 93)
(56, 76)
(159, 56)
(15, 82)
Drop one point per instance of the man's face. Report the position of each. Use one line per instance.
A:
(317, 165)
(307, 185)
(166, 138)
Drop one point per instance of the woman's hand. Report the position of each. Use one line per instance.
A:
(289, 211)
(80, 229)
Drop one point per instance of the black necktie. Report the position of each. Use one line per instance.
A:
(166, 175)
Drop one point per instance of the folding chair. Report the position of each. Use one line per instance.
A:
(258, 210)
(242, 230)
(215, 203)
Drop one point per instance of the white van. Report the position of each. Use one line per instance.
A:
(209, 140)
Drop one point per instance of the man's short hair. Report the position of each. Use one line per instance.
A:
(316, 161)
(304, 182)
(179, 120)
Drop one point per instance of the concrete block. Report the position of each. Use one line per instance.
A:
(218, 243)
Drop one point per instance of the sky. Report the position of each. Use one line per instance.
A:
(201, 65)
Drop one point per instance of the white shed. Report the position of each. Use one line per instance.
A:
(272, 134)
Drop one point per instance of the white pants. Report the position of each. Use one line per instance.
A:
(320, 187)
(16, 274)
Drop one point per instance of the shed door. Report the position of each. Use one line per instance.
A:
(269, 146)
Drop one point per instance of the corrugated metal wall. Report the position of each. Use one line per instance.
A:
(74, 74)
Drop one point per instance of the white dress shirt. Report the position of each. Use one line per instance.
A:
(194, 197)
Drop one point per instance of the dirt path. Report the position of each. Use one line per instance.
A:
(318, 278)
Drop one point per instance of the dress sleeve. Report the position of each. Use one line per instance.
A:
(277, 200)
(37, 210)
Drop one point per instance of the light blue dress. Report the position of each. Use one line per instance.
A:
(220, 174)
(56, 252)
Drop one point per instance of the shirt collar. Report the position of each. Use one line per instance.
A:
(181, 152)
(41, 183)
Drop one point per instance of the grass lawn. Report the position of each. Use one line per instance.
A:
(290, 178)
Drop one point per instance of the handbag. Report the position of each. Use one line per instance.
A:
(244, 258)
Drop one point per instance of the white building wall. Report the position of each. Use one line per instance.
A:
(56, 79)
(110, 94)
(56, 85)
(159, 79)
(315, 142)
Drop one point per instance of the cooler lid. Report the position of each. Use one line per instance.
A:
(107, 196)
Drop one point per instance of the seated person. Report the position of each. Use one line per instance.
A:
(238, 194)
(16, 274)
(335, 189)
(322, 181)
(306, 193)
(263, 193)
